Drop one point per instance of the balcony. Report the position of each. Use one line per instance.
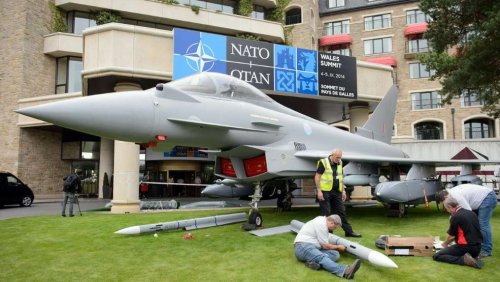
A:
(415, 46)
(182, 16)
(63, 44)
(128, 51)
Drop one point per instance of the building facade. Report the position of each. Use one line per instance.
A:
(42, 62)
(391, 32)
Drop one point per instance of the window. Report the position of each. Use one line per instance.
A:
(418, 70)
(258, 12)
(340, 49)
(293, 16)
(470, 98)
(340, 27)
(479, 128)
(336, 3)
(429, 130)
(417, 44)
(78, 21)
(425, 100)
(378, 46)
(378, 22)
(68, 75)
(416, 16)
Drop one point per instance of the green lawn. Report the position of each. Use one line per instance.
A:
(51, 248)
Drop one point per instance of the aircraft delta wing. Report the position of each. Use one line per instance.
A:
(254, 139)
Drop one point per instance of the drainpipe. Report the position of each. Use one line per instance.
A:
(453, 121)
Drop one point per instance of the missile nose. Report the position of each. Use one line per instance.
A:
(126, 116)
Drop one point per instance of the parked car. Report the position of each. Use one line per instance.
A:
(14, 191)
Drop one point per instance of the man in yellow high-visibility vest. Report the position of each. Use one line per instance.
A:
(330, 189)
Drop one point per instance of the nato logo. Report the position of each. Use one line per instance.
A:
(196, 52)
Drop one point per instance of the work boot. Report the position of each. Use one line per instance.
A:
(349, 272)
(470, 261)
(312, 265)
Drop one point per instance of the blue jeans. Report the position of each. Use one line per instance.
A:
(484, 214)
(326, 258)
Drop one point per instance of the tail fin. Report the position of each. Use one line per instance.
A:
(379, 125)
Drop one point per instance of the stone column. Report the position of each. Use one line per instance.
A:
(105, 163)
(126, 178)
(358, 113)
(126, 169)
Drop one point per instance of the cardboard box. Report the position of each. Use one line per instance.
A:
(409, 246)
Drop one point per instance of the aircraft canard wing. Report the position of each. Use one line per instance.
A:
(214, 125)
(316, 155)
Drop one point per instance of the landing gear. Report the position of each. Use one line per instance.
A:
(284, 198)
(255, 217)
(281, 189)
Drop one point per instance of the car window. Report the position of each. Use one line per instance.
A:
(11, 180)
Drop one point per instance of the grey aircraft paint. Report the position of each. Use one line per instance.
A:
(238, 122)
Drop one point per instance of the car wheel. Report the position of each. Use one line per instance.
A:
(26, 201)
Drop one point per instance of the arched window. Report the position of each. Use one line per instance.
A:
(293, 16)
(429, 130)
(479, 128)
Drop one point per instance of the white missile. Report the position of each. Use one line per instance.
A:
(356, 249)
(188, 224)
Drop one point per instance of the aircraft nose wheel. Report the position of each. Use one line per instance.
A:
(255, 218)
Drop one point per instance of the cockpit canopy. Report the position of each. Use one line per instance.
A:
(220, 86)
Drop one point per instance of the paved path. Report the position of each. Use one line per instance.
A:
(53, 206)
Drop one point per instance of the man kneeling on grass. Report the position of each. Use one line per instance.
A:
(313, 248)
(464, 230)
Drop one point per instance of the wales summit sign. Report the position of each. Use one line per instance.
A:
(266, 66)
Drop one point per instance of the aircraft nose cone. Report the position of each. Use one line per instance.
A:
(126, 116)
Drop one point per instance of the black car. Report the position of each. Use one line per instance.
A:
(14, 191)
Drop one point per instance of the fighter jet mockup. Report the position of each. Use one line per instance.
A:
(254, 139)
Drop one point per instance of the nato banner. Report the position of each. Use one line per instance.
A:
(264, 65)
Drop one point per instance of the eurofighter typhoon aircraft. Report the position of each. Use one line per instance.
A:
(256, 141)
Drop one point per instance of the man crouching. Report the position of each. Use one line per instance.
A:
(313, 248)
(464, 230)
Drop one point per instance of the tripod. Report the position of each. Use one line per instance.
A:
(75, 199)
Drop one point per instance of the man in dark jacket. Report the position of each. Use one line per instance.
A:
(72, 184)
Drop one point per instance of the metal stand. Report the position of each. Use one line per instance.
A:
(78, 203)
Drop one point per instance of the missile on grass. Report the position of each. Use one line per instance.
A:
(356, 249)
(188, 224)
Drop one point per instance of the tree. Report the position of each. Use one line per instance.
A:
(465, 39)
